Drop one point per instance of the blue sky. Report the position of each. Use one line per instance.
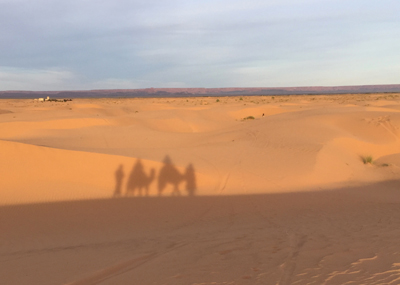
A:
(94, 44)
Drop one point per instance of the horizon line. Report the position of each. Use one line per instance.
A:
(206, 88)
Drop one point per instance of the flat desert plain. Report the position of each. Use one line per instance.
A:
(229, 190)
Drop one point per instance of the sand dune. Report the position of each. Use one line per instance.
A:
(13, 130)
(5, 112)
(110, 191)
(293, 147)
(41, 174)
(257, 112)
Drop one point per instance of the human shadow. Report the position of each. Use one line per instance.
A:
(190, 176)
(119, 176)
(138, 179)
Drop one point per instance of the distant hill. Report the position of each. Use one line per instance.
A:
(191, 92)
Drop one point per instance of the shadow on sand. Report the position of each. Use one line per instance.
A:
(340, 225)
(168, 176)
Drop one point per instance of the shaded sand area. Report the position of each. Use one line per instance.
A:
(229, 190)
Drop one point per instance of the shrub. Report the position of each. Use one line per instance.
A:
(367, 159)
(248, 118)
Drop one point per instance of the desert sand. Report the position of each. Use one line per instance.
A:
(206, 190)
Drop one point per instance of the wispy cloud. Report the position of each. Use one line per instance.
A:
(134, 44)
(31, 79)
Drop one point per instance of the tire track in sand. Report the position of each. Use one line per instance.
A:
(289, 266)
(120, 268)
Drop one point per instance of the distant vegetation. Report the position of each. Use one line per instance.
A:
(367, 159)
(248, 118)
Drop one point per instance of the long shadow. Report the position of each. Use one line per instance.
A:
(169, 177)
(51, 231)
(169, 174)
(138, 179)
(119, 176)
(191, 180)
(385, 193)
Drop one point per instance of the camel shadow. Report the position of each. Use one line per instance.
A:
(138, 179)
(169, 177)
(169, 174)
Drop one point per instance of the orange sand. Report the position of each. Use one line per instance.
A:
(281, 199)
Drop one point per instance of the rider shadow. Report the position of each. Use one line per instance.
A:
(138, 179)
(169, 174)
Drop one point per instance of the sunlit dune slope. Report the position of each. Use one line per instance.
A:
(42, 174)
(61, 151)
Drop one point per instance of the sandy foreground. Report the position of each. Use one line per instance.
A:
(188, 191)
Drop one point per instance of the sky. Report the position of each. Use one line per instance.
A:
(121, 44)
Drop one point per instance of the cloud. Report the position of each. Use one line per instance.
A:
(35, 80)
(89, 44)
(50, 80)
(115, 83)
